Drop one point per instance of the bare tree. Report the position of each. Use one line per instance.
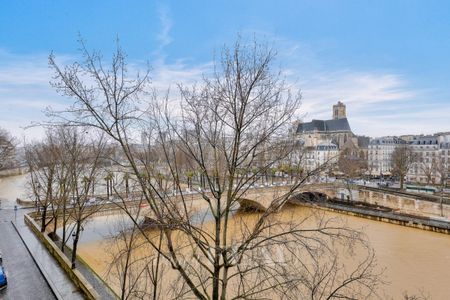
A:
(233, 124)
(353, 167)
(85, 157)
(42, 161)
(136, 272)
(443, 173)
(428, 168)
(7, 148)
(67, 167)
(403, 158)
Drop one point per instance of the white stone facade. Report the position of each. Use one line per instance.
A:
(380, 154)
(432, 155)
(318, 156)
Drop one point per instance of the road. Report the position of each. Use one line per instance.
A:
(24, 278)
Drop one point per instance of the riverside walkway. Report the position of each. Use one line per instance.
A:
(33, 273)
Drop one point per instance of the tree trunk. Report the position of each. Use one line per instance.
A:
(44, 217)
(107, 189)
(75, 245)
(216, 274)
(55, 225)
(63, 241)
(158, 258)
(349, 189)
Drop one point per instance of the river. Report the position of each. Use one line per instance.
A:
(414, 260)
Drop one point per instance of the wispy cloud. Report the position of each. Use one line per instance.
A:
(360, 91)
(378, 102)
(25, 90)
(163, 36)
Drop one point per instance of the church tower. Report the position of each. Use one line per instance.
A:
(339, 111)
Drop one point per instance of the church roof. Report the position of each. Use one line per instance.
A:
(324, 126)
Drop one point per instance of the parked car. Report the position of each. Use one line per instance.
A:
(3, 280)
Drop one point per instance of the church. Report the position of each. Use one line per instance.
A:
(336, 131)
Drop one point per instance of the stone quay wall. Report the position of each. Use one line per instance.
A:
(75, 275)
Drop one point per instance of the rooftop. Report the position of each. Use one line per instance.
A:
(426, 140)
(387, 140)
(324, 126)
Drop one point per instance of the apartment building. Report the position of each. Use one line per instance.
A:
(380, 154)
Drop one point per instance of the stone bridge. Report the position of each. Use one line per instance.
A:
(259, 199)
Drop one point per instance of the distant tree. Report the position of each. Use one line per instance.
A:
(443, 174)
(402, 158)
(42, 161)
(7, 148)
(428, 168)
(352, 167)
(85, 156)
(189, 175)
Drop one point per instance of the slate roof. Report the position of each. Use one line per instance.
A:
(387, 140)
(327, 146)
(425, 140)
(324, 126)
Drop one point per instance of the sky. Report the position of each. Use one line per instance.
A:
(388, 61)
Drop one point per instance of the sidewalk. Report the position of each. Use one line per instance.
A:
(58, 280)
(100, 287)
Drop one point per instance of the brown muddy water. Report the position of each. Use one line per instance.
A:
(414, 260)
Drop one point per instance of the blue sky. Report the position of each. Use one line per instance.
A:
(389, 61)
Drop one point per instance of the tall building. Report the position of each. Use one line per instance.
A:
(380, 154)
(325, 140)
(336, 130)
(323, 153)
(444, 163)
(431, 156)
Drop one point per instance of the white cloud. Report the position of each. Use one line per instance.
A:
(25, 90)
(378, 103)
(165, 75)
(166, 25)
(360, 91)
(163, 37)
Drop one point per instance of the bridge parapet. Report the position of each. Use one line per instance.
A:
(261, 199)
